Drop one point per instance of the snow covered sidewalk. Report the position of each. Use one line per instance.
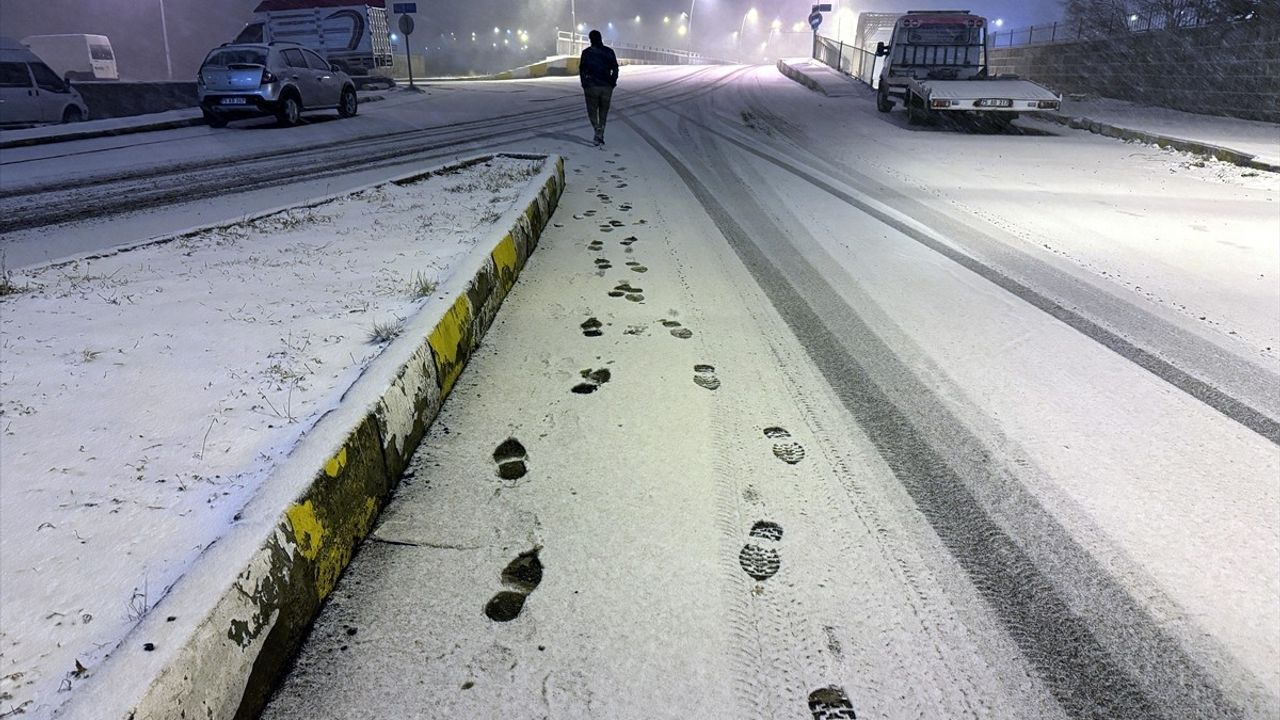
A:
(820, 78)
(109, 127)
(100, 128)
(147, 394)
(1258, 139)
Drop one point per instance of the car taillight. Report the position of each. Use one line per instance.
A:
(267, 77)
(939, 104)
(200, 79)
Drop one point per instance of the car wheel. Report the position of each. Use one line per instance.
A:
(290, 111)
(214, 120)
(349, 105)
(883, 103)
(72, 114)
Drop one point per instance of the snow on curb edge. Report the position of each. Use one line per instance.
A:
(786, 69)
(122, 130)
(247, 604)
(1216, 152)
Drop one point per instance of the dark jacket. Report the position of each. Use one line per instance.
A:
(598, 67)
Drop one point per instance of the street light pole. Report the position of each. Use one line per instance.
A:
(164, 32)
(573, 14)
(690, 29)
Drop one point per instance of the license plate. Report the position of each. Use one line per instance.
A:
(233, 101)
(992, 102)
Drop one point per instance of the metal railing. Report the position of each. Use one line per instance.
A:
(848, 59)
(1111, 25)
(572, 44)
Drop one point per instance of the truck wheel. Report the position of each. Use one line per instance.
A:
(883, 102)
(349, 104)
(72, 114)
(213, 119)
(290, 111)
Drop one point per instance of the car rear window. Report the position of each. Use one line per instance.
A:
(236, 56)
(14, 75)
(101, 52)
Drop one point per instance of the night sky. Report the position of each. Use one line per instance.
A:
(195, 26)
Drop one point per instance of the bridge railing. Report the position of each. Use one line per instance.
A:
(570, 43)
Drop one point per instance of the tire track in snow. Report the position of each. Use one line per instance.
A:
(94, 198)
(1150, 678)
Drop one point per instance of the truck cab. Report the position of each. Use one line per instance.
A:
(932, 45)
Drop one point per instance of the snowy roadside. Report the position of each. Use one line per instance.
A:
(109, 127)
(1251, 137)
(146, 394)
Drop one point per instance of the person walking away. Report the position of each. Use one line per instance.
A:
(598, 70)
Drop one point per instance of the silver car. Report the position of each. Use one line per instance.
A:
(279, 78)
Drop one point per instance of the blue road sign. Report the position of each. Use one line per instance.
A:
(404, 8)
(815, 20)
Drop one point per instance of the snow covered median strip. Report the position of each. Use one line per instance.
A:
(181, 561)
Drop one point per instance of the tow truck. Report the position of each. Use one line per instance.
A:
(936, 64)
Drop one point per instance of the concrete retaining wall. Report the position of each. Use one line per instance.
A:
(123, 99)
(1231, 69)
(255, 594)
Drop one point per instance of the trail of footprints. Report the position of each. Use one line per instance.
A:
(760, 557)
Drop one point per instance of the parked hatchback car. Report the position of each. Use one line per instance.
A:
(33, 94)
(279, 78)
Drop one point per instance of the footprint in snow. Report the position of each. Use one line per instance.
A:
(785, 450)
(510, 457)
(705, 376)
(522, 575)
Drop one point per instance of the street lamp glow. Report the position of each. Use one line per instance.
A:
(999, 22)
(682, 30)
(637, 19)
(496, 31)
(798, 27)
(666, 20)
(776, 24)
(753, 14)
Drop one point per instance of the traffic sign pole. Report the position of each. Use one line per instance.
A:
(406, 28)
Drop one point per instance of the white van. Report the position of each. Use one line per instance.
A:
(76, 57)
(31, 93)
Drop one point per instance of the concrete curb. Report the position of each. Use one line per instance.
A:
(805, 80)
(1194, 147)
(251, 602)
(126, 130)
(106, 132)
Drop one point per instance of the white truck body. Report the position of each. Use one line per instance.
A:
(353, 36)
(936, 62)
(76, 56)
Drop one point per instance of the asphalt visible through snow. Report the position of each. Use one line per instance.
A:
(776, 426)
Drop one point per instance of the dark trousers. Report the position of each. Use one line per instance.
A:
(598, 98)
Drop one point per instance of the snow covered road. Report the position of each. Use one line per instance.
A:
(818, 415)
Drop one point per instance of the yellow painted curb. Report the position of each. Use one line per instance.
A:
(232, 657)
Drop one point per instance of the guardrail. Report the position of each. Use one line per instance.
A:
(851, 60)
(572, 44)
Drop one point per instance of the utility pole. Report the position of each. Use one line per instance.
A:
(164, 31)
(573, 31)
(690, 28)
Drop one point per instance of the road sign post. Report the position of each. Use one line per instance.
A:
(406, 29)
